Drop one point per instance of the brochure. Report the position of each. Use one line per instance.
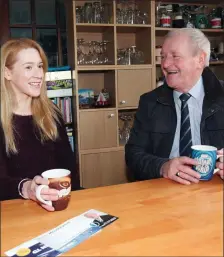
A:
(65, 236)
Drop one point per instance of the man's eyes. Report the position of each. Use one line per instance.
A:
(173, 56)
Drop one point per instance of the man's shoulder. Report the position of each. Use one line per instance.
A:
(155, 93)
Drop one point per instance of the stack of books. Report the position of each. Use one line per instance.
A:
(60, 90)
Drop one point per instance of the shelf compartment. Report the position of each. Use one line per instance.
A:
(134, 67)
(110, 10)
(92, 28)
(98, 80)
(133, 26)
(130, 85)
(209, 32)
(102, 150)
(98, 129)
(103, 168)
(97, 33)
(142, 6)
(95, 67)
(135, 36)
(214, 35)
(213, 63)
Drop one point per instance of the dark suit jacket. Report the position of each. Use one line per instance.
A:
(153, 132)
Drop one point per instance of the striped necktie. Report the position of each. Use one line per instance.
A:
(185, 129)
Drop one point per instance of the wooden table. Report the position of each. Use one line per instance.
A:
(156, 218)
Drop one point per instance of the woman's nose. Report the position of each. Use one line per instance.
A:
(38, 73)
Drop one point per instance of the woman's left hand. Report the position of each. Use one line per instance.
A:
(49, 194)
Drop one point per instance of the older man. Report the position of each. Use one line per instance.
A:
(164, 131)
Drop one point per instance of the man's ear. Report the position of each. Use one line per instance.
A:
(7, 74)
(202, 59)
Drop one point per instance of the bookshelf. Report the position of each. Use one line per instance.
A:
(100, 147)
(60, 84)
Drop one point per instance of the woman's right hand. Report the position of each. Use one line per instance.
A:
(29, 191)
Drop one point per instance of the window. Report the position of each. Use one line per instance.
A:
(43, 21)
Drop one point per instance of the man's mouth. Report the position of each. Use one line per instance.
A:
(171, 72)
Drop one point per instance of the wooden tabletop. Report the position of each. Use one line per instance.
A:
(156, 218)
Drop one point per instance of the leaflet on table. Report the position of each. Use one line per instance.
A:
(64, 237)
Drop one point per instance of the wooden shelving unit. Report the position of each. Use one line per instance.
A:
(100, 152)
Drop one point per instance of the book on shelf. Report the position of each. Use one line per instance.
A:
(70, 137)
(71, 141)
(59, 93)
(65, 105)
(59, 84)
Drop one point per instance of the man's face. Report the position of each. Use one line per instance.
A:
(181, 67)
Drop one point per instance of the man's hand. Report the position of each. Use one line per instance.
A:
(29, 191)
(179, 169)
(220, 164)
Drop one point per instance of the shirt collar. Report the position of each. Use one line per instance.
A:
(197, 91)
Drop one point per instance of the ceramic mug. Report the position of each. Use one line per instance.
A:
(206, 156)
(59, 179)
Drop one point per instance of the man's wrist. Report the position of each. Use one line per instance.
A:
(161, 171)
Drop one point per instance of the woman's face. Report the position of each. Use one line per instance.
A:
(27, 74)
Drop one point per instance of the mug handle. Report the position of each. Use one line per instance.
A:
(38, 195)
(218, 156)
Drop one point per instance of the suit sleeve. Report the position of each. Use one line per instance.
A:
(65, 156)
(138, 151)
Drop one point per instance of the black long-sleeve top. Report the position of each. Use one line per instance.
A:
(33, 157)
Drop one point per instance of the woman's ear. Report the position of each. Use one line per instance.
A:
(7, 74)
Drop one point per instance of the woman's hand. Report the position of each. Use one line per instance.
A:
(29, 191)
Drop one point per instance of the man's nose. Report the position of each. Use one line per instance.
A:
(166, 62)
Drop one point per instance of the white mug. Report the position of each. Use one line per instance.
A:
(59, 179)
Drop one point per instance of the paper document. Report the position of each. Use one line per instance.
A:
(65, 236)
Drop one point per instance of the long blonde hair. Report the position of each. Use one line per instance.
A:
(45, 113)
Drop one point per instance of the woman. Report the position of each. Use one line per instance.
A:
(32, 133)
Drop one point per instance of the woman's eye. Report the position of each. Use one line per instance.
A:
(28, 67)
(41, 66)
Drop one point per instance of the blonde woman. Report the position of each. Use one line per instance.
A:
(32, 133)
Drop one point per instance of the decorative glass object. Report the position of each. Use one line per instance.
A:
(124, 132)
